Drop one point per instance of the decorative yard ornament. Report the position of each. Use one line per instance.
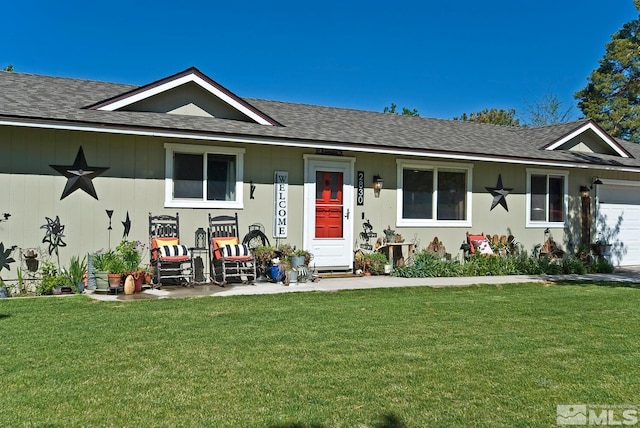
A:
(109, 214)
(499, 194)
(79, 175)
(4, 257)
(54, 234)
(127, 226)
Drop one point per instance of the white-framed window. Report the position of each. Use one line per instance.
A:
(203, 176)
(433, 194)
(547, 198)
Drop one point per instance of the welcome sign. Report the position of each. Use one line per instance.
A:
(281, 203)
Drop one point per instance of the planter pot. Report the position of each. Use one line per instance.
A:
(138, 280)
(296, 261)
(262, 270)
(115, 280)
(102, 281)
(293, 277)
(276, 274)
(4, 293)
(148, 278)
(80, 287)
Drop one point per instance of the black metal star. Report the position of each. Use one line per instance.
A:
(54, 234)
(499, 194)
(127, 226)
(79, 175)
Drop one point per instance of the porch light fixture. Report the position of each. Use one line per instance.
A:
(377, 185)
(595, 181)
(584, 192)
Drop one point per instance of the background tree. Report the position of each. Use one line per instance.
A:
(494, 116)
(612, 94)
(547, 110)
(405, 111)
(8, 68)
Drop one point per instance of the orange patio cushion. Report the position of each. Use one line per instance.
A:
(161, 242)
(220, 242)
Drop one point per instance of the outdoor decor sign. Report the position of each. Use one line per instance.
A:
(281, 203)
(360, 181)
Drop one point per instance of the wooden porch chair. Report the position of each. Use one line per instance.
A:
(172, 262)
(229, 259)
(476, 244)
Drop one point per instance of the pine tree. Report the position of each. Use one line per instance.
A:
(612, 94)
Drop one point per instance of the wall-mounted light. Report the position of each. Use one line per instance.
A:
(584, 192)
(595, 181)
(377, 185)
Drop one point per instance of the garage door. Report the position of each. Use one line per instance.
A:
(618, 220)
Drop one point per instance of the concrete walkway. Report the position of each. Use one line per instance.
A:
(627, 275)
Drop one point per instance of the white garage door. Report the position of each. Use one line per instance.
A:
(618, 220)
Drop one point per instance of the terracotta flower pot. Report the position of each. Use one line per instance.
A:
(115, 280)
(138, 279)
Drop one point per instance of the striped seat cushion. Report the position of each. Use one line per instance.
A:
(235, 251)
(174, 251)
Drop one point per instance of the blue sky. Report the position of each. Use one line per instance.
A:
(443, 58)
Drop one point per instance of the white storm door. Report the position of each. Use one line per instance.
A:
(328, 211)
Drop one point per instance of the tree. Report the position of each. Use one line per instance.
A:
(547, 111)
(405, 111)
(8, 68)
(494, 116)
(612, 94)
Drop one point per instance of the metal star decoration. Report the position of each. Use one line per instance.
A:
(54, 234)
(127, 226)
(499, 194)
(79, 175)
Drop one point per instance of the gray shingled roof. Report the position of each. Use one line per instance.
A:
(62, 100)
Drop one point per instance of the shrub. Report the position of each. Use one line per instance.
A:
(375, 262)
(51, 278)
(427, 265)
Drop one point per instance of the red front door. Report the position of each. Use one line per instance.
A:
(329, 205)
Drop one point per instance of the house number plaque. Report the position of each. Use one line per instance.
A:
(360, 195)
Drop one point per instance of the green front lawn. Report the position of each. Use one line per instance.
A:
(474, 356)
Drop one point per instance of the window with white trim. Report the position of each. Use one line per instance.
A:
(546, 197)
(434, 194)
(203, 176)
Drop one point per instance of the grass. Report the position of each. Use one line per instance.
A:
(474, 356)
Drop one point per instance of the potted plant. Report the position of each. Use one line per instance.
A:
(109, 268)
(375, 262)
(283, 251)
(263, 254)
(131, 254)
(76, 271)
(99, 262)
(4, 292)
(53, 282)
(116, 268)
(300, 258)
